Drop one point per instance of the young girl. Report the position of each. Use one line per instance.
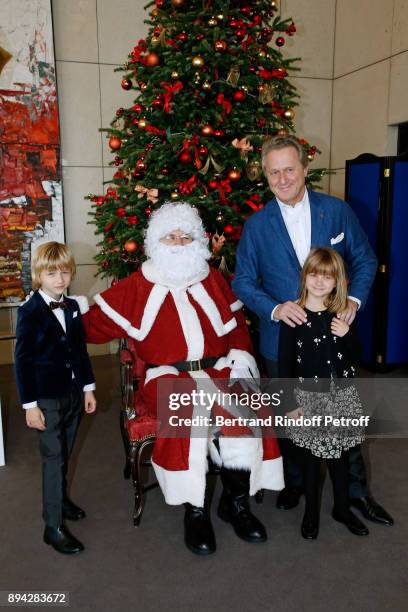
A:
(318, 357)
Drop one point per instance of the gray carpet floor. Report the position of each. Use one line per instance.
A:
(149, 568)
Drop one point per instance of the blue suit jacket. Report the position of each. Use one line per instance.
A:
(45, 355)
(268, 271)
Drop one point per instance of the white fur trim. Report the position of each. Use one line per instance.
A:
(246, 454)
(210, 308)
(154, 302)
(190, 323)
(82, 302)
(153, 275)
(236, 306)
(243, 357)
(153, 373)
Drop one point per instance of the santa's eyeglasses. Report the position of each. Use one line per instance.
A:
(176, 238)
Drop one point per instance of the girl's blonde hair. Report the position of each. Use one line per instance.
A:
(51, 256)
(325, 260)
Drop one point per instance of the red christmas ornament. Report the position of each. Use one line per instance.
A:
(239, 95)
(228, 229)
(240, 33)
(130, 246)
(126, 84)
(266, 34)
(246, 10)
(105, 264)
(164, 171)
(203, 150)
(280, 41)
(220, 46)
(135, 122)
(115, 143)
(219, 133)
(137, 108)
(182, 36)
(140, 165)
(157, 103)
(132, 220)
(152, 60)
(212, 184)
(121, 212)
(120, 112)
(148, 210)
(185, 157)
(199, 37)
(160, 3)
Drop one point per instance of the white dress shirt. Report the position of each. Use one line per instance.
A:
(59, 313)
(298, 223)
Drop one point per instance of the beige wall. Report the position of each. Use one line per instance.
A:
(370, 80)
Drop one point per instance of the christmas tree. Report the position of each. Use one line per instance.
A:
(211, 85)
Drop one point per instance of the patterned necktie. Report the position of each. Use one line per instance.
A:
(54, 305)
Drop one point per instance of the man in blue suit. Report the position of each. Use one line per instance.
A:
(273, 247)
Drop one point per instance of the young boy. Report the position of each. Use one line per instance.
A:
(55, 382)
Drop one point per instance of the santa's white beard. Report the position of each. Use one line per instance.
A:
(180, 264)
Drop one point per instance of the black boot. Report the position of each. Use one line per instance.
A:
(198, 531)
(234, 506)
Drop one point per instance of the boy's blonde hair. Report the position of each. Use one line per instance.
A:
(51, 256)
(325, 260)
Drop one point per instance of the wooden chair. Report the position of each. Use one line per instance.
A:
(138, 430)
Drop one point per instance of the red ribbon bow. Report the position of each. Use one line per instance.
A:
(226, 104)
(170, 89)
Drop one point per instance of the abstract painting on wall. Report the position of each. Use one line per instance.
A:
(31, 209)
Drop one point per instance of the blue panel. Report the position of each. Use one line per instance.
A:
(363, 196)
(397, 335)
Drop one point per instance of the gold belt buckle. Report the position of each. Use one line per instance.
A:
(195, 365)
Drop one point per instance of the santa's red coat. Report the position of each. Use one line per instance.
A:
(172, 324)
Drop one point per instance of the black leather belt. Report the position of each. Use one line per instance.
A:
(190, 366)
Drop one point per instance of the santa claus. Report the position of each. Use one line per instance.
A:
(188, 327)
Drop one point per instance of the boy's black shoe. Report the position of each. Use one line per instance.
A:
(62, 540)
(353, 524)
(71, 511)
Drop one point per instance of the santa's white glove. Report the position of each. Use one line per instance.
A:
(82, 302)
(241, 373)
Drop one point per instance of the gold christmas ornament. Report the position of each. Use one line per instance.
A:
(206, 85)
(220, 17)
(253, 170)
(197, 78)
(244, 88)
(212, 22)
(310, 157)
(174, 195)
(289, 114)
(154, 40)
(261, 53)
(142, 123)
(266, 93)
(197, 61)
(177, 3)
(233, 76)
(219, 217)
(174, 74)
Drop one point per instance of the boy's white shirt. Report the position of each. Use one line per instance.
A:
(59, 313)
